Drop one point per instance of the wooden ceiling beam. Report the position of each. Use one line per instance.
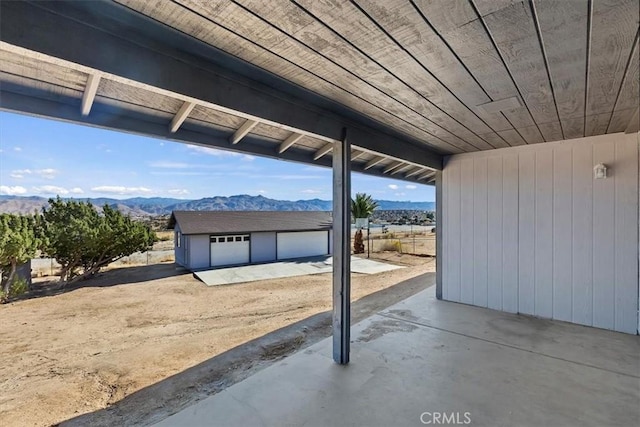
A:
(392, 167)
(289, 142)
(243, 131)
(89, 95)
(324, 150)
(181, 116)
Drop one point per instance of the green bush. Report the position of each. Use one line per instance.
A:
(18, 287)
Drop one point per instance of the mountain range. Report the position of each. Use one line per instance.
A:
(141, 206)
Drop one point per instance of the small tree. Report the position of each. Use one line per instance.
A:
(361, 207)
(82, 240)
(19, 242)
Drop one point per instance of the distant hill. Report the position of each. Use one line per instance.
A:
(141, 206)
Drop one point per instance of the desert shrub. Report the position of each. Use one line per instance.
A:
(20, 238)
(82, 241)
(18, 287)
(165, 236)
(391, 245)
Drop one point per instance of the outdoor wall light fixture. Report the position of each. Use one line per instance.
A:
(600, 171)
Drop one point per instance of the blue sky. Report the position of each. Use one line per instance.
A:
(41, 157)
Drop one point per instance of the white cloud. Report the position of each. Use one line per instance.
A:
(119, 189)
(19, 173)
(76, 190)
(177, 173)
(17, 149)
(262, 191)
(401, 194)
(170, 165)
(50, 189)
(393, 186)
(310, 191)
(178, 191)
(411, 187)
(293, 177)
(219, 153)
(48, 173)
(12, 191)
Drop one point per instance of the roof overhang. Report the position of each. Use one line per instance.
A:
(123, 55)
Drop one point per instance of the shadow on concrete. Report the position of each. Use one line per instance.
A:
(112, 277)
(158, 401)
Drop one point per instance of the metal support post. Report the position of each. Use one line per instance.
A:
(341, 249)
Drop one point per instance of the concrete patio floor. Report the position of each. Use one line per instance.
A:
(291, 268)
(422, 357)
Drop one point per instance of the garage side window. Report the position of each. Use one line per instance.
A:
(178, 238)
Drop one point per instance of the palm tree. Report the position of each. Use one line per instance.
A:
(361, 207)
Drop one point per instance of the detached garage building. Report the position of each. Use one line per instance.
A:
(205, 239)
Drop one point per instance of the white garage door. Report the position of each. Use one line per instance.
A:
(229, 250)
(302, 244)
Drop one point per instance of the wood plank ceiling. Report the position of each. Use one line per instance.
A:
(427, 67)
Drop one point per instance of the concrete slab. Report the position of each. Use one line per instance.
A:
(292, 268)
(422, 359)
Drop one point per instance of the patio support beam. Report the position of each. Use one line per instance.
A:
(439, 230)
(181, 116)
(356, 154)
(426, 175)
(400, 169)
(90, 91)
(391, 167)
(290, 141)
(243, 131)
(372, 163)
(341, 249)
(416, 171)
(324, 150)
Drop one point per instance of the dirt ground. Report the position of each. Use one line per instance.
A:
(87, 348)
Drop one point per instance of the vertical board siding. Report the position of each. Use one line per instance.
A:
(526, 232)
(444, 258)
(562, 230)
(466, 228)
(543, 263)
(480, 233)
(494, 237)
(530, 230)
(510, 234)
(626, 233)
(582, 223)
(453, 235)
(604, 240)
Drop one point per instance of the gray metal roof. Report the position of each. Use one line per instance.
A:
(214, 222)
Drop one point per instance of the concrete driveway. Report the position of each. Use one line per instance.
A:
(291, 268)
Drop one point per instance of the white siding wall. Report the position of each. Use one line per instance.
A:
(179, 246)
(529, 230)
(263, 247)
(198, 251)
